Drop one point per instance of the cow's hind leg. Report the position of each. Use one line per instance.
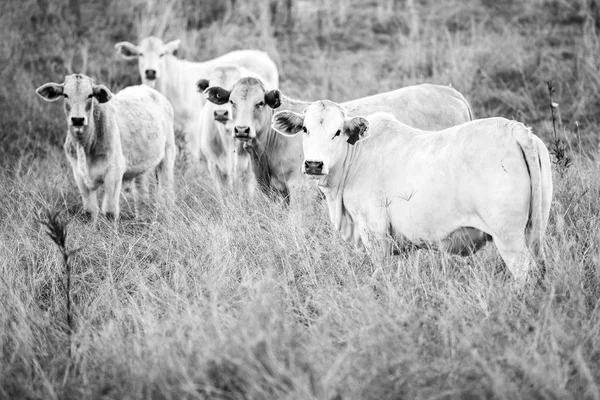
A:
(517, 257)
(165, 176)
(142, 197)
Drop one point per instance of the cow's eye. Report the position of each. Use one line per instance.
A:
(259, 105)
(231, 102)
(336, 134)
(90, 96)
(65, 96)
(304, 129)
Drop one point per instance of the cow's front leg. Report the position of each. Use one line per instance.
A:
(88, 196)
(112, 190)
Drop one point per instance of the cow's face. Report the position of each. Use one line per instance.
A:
(151, 54)
(80, 93)
(250, 106)
(326, 131)
(224, 77)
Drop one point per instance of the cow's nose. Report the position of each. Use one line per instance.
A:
(150, 74)
(313, 167)
(77, 121)
(242, 131)
(221, 115)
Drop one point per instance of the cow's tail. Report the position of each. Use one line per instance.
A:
(536, 222)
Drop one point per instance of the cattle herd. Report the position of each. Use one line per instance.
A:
(405, 166)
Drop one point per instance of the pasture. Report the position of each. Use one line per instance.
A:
(225, 297)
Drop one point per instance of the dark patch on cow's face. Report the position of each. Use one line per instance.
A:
(217, 95)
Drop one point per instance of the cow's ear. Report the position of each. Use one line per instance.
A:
(172, 46)
(50, 91)
(273, 98)
(217, 95)
(202, 85)
(127, 50)
(288, 123)
(102, 93)
(356, 128)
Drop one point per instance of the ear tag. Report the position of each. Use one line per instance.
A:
(353, 138)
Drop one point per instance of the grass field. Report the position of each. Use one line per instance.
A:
(230, 298)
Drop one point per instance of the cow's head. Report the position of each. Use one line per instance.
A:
(224, 77)
(80, 94)
(327, 133)
(251, 106)
(151, 54)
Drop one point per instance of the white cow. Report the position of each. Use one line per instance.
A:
(276, 161)
(176, 79)
(455, 189)
(115, 138)
(227, 160)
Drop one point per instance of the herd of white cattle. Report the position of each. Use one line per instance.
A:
(406, 166)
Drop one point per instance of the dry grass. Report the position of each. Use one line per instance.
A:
(245, 299)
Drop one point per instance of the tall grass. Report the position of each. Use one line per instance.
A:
(234, 298)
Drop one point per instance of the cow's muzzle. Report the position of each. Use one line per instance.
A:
(313, 167)
(242, 132)
(150, 74)
(221, 116)
(78, 122)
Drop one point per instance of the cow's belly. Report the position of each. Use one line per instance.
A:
(444, 226)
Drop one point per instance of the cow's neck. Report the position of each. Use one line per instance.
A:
(333, 186)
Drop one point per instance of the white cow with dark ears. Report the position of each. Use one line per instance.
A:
(176, 80)
(455, 189)
(115, 138)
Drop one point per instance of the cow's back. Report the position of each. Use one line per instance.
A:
(254, 61)
(145, 121)
(426, 106)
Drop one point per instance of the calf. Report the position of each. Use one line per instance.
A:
(227, 160)
(456, 189)
(176, 79)
(115, 138)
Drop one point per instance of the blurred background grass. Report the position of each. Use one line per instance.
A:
(498, 53)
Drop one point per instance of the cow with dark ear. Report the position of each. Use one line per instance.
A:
(356, 129)
(101, 93)
(273, 98)
(217, 95)
(288, 123)
(202, 85)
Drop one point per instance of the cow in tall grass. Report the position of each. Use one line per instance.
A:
(277, 161)
(115, 138)
(176, 79)
(386, 182)
(227, 160)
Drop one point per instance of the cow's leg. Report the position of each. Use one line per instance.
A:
(215, 175)
(141, 193)
(373, 234)
(165, 177)
(513, 250)
(191, 132)
(88, 196)
(112, 190)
